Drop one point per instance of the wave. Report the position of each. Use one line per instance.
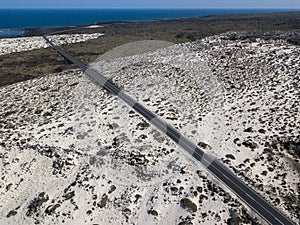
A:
(9, 33)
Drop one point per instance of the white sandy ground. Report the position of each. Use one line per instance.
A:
(72, 154)
(10, 45)
(94, 26)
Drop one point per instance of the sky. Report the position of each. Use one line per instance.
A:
(150, 4)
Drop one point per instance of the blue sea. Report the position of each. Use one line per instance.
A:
(13, 21)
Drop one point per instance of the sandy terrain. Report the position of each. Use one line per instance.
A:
(10, 45)
(70, 153)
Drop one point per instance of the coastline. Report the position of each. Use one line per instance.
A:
(33, 31)
(66, 146)
(36, 62)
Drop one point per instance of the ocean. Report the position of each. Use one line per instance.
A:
(12, 21)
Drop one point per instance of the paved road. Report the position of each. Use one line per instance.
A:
(264, 209)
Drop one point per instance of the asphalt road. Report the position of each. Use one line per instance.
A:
(263, 208)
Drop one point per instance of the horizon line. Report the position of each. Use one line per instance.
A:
(147, 8)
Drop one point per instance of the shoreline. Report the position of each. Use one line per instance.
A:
(71, 153)
(28, 32)
(35, 31)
